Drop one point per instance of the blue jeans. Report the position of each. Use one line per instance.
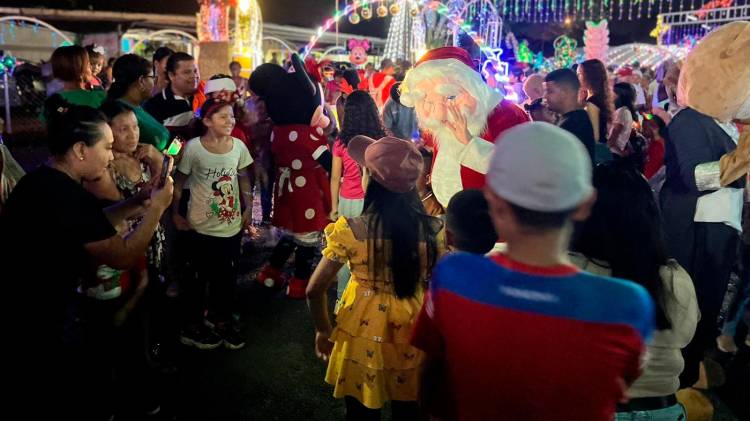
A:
(673, 413)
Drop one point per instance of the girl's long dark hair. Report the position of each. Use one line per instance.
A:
(596, 80)
(625, 97)
(625, 231)
(360, 118)
(126, 71)
(398, 227)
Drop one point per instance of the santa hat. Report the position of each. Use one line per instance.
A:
(225, 179)
(625, 71)
(444, 53)
(220, 84)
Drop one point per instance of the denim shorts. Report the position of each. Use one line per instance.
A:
(672, 413)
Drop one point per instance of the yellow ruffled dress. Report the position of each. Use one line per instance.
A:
(372, 359)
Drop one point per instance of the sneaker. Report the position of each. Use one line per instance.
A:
(200, 337)
(230, 335)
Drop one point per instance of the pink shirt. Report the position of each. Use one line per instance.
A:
(351, 177)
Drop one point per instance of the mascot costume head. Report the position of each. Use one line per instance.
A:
(443, 85)
(299, 145)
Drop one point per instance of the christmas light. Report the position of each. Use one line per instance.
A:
(248, 32)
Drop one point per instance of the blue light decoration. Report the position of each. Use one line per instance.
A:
(126, 45)
(495, 72)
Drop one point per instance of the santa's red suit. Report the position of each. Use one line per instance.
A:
(461, 167)
(302, 198)
(378, 85)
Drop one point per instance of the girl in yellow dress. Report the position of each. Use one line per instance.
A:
(390, 250)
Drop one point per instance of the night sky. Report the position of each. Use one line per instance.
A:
(311, 14)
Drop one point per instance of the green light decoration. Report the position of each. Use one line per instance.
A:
(524, 54)
(565, 51)
(7, 65)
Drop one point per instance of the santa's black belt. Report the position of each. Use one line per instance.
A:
(648, 404)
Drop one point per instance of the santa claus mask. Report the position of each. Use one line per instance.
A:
(433, 109)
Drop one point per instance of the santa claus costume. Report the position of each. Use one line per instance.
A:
(444, 79)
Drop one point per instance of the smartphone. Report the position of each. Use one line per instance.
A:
(175, 147)
(164, 171)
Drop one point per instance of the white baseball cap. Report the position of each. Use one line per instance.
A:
(540, 167)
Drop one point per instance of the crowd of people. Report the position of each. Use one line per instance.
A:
(492, 260)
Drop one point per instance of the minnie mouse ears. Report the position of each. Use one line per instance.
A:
(354, 43)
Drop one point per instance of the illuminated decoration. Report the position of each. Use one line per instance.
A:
(524, 54)
(8, 26)
(438, 22)
(482, 19)
(7, 64)
(714, 4)
(248, 32)
(366, 13)
(382, 11)
(495, 72)
(568, 11)
(394, 9)
(405, 34)
(646, 55)
(213, 20)
(691, 25)
(565, 51)
(538, 60)
(414, 10)
(354, 18)
(660, 29)
(596, 40)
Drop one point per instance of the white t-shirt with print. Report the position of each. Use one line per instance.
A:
(625, 117)
(214, 207)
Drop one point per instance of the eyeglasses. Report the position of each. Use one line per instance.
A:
(429, 106)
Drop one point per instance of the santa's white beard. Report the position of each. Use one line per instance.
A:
(477, 121)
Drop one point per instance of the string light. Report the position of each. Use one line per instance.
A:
(248, 36)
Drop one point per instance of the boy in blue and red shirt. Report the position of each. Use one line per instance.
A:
(524, 335)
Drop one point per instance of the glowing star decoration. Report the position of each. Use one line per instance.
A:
(596, 40)
(248, 32)
(565, 51)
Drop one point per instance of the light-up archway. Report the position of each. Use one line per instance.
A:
(149, 36)
(37, 22)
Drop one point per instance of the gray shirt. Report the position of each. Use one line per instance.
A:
(399, 120)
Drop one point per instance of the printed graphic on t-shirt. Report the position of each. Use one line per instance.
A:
(224, 204)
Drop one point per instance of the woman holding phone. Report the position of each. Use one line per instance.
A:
(134, 165)
(51, 229)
